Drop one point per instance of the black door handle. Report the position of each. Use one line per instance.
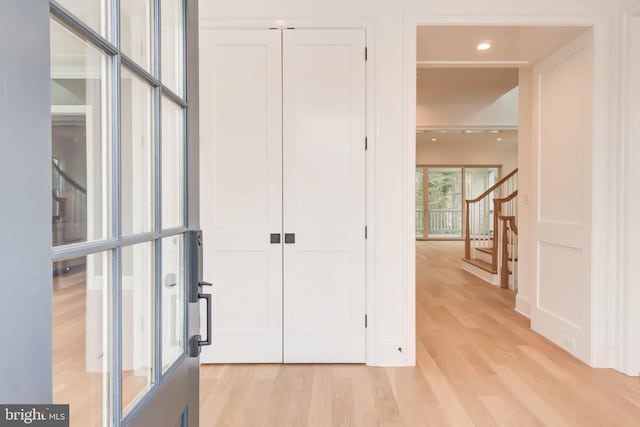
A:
(195, 342)
(290, 237)
(207, 298)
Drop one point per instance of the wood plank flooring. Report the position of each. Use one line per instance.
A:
(478, 363)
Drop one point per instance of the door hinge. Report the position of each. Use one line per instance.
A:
(365, 320)
(366, 231)
(365, 53)
(366, 143)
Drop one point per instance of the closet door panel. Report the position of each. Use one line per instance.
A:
(241, 192)
(324, 195)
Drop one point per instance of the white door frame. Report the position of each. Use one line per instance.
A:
(627, 299)
(603, 317)
(371, 336)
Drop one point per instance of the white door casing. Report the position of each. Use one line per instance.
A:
(562, 93)
(324, 195)
(241, 192)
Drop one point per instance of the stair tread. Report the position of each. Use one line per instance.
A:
(481, 264)
(490, 252)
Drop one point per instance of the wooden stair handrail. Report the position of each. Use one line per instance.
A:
(494, 186)
(509, 197)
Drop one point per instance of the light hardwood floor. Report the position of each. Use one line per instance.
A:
(478, 363)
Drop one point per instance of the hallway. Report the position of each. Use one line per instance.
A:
(477, 363)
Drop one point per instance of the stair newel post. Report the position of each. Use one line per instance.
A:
(467, 233)
(504, 270)
(497, 211)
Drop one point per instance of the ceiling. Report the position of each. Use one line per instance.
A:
(509, 138)
(466, 83)
(515, 45)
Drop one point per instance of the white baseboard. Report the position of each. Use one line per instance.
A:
(523, 306)
(492, 279)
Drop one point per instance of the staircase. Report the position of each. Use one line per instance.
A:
(491, 233)
(68, 215)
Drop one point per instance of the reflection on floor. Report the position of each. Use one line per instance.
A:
(73, 384)
(477, 363)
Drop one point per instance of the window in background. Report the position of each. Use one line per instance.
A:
(444, 194)
(444, 201)
(420, 202)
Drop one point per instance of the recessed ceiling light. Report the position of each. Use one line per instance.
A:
(434, 139)
(468, 131)
(484, 46)
(498, 139)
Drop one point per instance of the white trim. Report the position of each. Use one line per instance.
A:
(523, 306)
(372, 353)
(601, 148)
(70, 110)
(471, 64)
(463, 128)
(626, 333)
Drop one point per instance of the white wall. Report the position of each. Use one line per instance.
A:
(628, 303)
(467, 97)
(466, 152)
(390, 160)
(525, 154)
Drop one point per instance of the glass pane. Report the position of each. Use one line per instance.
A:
(95, 13)
(136, 31)
(80, 139)
(81, 337)
(137, 321)
(172, 164)
(445, 202)
(137, 154)
(419, 202)
(477, 181)
(172, 300)
(172, 42)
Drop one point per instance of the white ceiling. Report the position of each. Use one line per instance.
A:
(509, 138)
(466, 83)
(508, 44)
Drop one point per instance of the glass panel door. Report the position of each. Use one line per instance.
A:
(444, 216)
(122, 322)
(477, 181)
(420, 229)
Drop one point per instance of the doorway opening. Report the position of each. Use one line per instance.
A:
(501, 155)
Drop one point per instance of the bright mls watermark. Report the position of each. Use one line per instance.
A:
(34, 415)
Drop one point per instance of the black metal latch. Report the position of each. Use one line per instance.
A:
(196, 342)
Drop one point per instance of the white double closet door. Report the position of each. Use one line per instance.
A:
(282, 157)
